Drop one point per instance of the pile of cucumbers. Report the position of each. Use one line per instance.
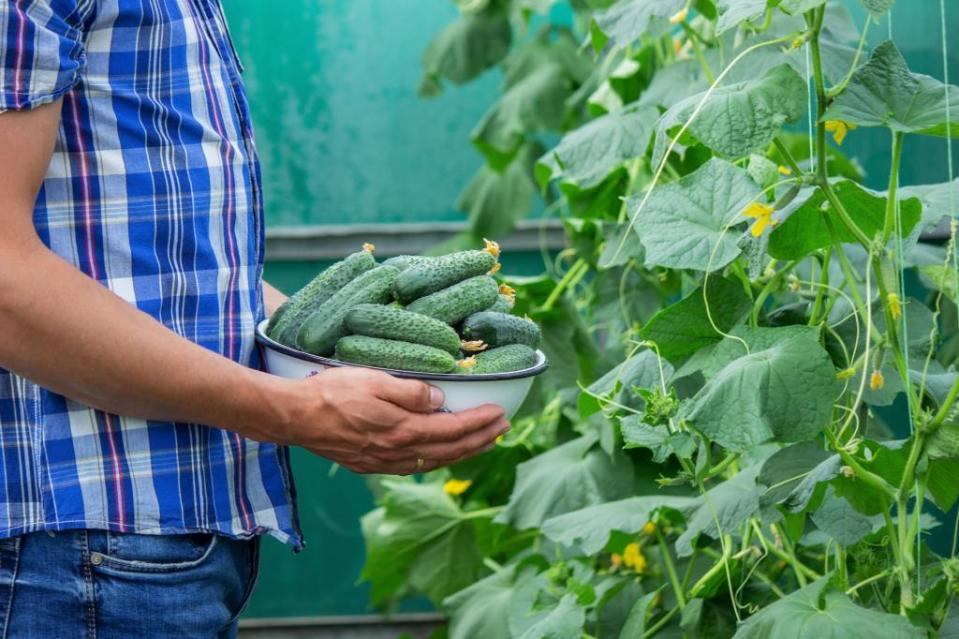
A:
(444, 314)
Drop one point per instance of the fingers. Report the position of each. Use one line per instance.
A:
(451, 427)
(413, 395)
(469, 446)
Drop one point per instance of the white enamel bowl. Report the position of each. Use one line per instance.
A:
(462, 391)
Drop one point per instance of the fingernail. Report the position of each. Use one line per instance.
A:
(436, 397)
(505, 429)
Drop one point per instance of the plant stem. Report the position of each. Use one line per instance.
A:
(891, 198)
(720, 467)
(694, 38)
(943, 411)
(865, 582)
(671, 569)
(570, 275)
(787, 156)
(768, 289)
(659, 625)
(877, 482)
(821, 291)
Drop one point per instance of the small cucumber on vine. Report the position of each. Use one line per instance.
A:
(441, 272)
(397, 355)
(388, 322)
(459, 301)
(289, 318)
(504, 359)
(324, 327)
(500, 329)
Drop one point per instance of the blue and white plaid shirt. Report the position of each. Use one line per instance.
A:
(154, 191)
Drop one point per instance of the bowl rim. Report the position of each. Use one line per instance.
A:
(268, 343)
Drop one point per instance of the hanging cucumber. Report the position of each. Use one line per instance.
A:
(459, 301)
(504, 359)
(324, 327)
(291, 316)
(397, 355)
(500, 329)
(389, 322)
(442, 272)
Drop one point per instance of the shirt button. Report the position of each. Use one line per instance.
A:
(96, 558)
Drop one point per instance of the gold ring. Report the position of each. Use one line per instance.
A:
(420, 462)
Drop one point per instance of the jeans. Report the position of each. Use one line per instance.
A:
(95, 584)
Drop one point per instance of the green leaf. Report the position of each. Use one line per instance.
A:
(756, 338)
(684, 327)
(685, 224)
(564, 479)
(642, 370)
(819, 611)
(741, 118)
(805, 229)
(627, 20)
(877, 8)
(591, 527)
(496, 201)
(590, 153)
(837, 518)
(944, 482)
(481, 610)
(735, 12)
(637, 434)
(938, 200)
(468, 46)
(729, 504)
(535, 103)
(764, 172)
(797, 7)
(783, 393)
(422, 535)
(883, 92)
(635, 625)
(565, 621)
(790, 475)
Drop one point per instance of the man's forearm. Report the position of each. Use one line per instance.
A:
(68, 333)
(272, 298)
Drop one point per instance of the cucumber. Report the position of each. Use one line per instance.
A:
(403, 262)
(388, 353)
(500, 329)
(277, 316)
(389, 322)
(309, 298)
(503, 304)
(459, 301)
(324, 327)
(441, 272)
(505, 359)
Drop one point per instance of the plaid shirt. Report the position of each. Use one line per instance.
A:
(153, 191)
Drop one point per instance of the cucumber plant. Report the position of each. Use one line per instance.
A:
(749, 426)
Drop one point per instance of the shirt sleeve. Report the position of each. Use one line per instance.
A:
(41, 51)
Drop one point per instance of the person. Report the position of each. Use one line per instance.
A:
(142, 452)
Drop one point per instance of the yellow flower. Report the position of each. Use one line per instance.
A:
(784, 170)
(633, 557)
(679, 16)
(616, 560)
(677, 45)
(876, 380)
(369, 248)
(846, 374)
(764, 217)
(839, 129)
(649, 528)
(457, 486)
(798, 42)
(491, 247)
(895, 305)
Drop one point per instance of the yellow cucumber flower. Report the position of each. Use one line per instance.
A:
(369, 248)
(839, 129)
(784, 170)
(679, 16)
(876, 380)
(649, 528)
(457, 486)
(633, 558)
(895, 305)
(763, 213)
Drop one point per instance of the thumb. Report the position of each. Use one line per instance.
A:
(413, 395)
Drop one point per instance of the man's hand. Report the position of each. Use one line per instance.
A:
(371, 422)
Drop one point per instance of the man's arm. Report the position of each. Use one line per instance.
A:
(66, 332)
(272, 298)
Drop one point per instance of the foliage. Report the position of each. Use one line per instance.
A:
(711, 453)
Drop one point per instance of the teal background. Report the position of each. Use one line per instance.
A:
(344, 138)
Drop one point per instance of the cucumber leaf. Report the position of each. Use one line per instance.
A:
(728, 504)
(740, 118)
(567, 478)
(684, 327)
(877, 8)
(465, 48)
(784, 393)
(837, 518)
(796, 7)
(627, 20)
(819, 611)
(791, 474)
(495, 201)
(590, 153)
(482, 609)
(732, 13)
(563, 621)
(635, 624)
(884, 92)
(684, 223)
(591, 527)
(805, 229)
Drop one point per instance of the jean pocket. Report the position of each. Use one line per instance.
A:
(133, 552)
